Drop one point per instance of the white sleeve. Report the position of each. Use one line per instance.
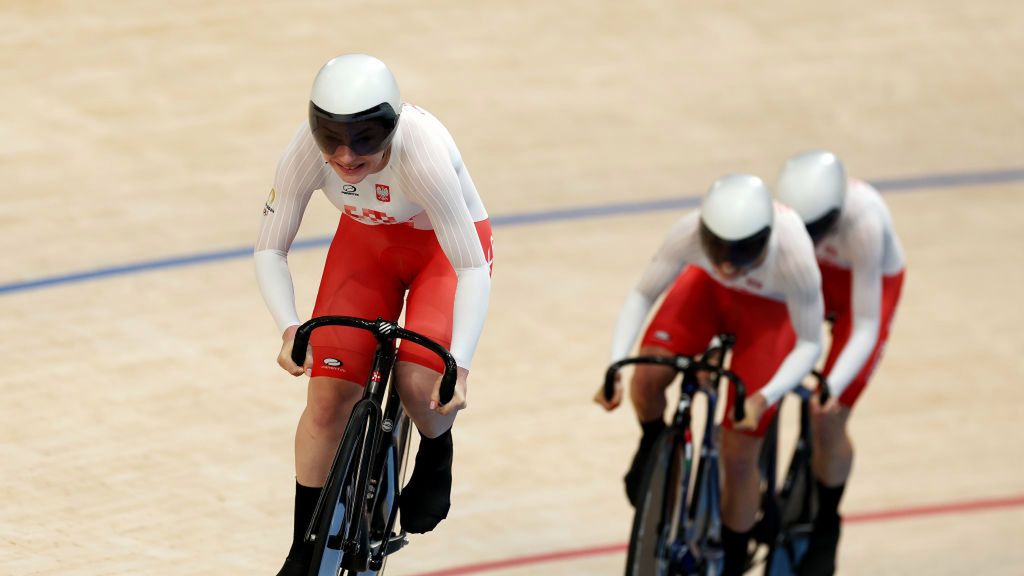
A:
(866, 244)
(627, 327)
(430, 180)
(276, 287)
(299, 174)
(806, 309)
(666, 265)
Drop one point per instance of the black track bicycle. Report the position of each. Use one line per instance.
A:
(353, 529)
(783, 531)
(677, 525)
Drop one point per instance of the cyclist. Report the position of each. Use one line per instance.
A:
(862, 270)
(743, 265)
(411, 221)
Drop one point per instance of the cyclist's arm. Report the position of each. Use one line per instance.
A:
(668, 262)
(866, 245)
(299, 173)
(430, 180)
(806, 309)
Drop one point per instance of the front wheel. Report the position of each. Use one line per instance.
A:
(394, 477)
(658, 544)
(337, 517)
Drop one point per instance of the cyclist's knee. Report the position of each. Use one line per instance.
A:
(415, 387)
(329, 402)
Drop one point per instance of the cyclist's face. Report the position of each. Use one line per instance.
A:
(352, 168)
(730, 271)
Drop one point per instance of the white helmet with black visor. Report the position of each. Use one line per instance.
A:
(355, 103)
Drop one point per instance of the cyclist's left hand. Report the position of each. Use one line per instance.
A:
(458, 401)
(754, 408)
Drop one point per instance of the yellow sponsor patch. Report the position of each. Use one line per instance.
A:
(270, 201)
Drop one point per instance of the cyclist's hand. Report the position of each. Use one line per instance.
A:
(830, 408)
(458, 401)
(612, 404)
(284, 359)
(754, 408)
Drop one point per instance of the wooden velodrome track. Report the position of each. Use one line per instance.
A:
(144, 425)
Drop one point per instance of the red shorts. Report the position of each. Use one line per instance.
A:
(368, 271)
(836, 286)
(698, 307)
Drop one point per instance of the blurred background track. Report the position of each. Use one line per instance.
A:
(146, 429)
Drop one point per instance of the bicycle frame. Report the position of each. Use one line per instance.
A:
(696, 521)
(372, 426)
(704, 518)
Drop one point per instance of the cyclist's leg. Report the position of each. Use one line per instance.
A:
(764, 337)
(832, 461)
(833, 451)
(647, 391)
(685, 323)
(426, 498)
(329, 402)
(415, 386)
(353, 284)
(741, 495)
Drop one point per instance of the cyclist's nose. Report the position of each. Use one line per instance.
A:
(344, 155)
(727, 270)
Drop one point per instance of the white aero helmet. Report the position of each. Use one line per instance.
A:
(736, 220)
(813, 184)
(354, 102)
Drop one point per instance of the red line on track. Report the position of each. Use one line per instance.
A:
(858, 518)
(528, 560)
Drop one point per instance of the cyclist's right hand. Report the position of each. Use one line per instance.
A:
(612, 404)
(284, 359)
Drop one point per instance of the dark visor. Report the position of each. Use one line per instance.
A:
(366, 132)
(740, 253)
(822, 226)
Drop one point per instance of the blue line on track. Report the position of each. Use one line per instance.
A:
(931, 181)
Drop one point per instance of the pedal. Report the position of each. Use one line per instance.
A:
(395, 543)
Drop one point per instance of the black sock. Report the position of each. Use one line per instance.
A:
(820, 559)
(734, 548)
(426, 499)
(431, 447)
(305, 503)
(828, 521)
(651, 430)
